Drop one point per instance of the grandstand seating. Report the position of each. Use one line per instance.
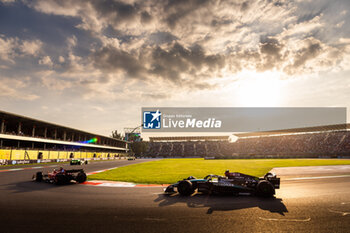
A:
(23, 138)
(329, 143)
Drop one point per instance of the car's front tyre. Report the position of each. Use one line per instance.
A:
(185, 188)
(38, 176)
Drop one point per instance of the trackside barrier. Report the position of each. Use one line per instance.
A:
(90, 154)
(32, 154)
(45, 154)
(63, 155)
(54, 155)
(17, 154)
(5, 154)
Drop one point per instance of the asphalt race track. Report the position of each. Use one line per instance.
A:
(312, 201)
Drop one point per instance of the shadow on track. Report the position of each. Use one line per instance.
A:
(224, 203)
(30, 186)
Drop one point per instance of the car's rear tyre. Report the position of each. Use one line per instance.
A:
(81, 177)
(39, 177)
(185, 188)
(265, 188)
(61, 179)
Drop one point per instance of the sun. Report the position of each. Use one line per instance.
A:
(254, 89)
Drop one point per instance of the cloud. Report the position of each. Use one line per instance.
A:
(304, 28)
(46, 61)
(160, 38)
(31, 47)
(178, 10)
(145, 17)
(307, 56)
(344, 40)
(12, 47)
(111, 59)
(54, 83)
(181, 66)
(7, 1)
(178, 62)
(307, 53)
(61, 59)
(15, 89)
(186, 43)
(155, 96)
(49, 79)
(7, 47)
(271, 56)
(66, 8)
(95, 15)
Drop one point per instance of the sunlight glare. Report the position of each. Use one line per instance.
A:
(263, 89)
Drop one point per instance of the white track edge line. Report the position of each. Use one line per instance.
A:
(316, 177)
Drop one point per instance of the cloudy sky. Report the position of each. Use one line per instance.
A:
(92, 64)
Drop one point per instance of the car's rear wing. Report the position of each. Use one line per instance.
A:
(275, 182)
(273, 179)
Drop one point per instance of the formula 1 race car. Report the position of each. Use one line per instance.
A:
(78, 162)
(61, 176)
(231, 183)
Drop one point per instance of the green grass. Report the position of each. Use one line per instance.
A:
(168, 171)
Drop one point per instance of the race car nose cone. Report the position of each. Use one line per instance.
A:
(169, 189)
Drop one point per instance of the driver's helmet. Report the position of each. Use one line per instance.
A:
(227, 172)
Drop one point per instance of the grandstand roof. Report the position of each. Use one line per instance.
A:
(31, 139)
(189, 138)
(296, 130)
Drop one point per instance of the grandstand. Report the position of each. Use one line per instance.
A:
(25, 140)
(320, 141)
(188, 138)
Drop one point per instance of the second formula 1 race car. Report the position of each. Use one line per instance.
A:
(232, 182)
(61, 176)
(78, 162)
